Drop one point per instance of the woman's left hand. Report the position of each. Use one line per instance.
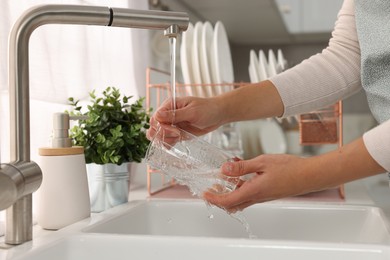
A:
(273, 177)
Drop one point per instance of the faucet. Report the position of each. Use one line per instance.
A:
(21, 177)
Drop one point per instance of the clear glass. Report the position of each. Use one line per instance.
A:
(190, 160)
(228, 138)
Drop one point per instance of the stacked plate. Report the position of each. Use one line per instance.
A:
(205, 58)
(260, 68)
(271, 135)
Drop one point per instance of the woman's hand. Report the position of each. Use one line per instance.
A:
(280, 175)
(273, 176)
(198, 116)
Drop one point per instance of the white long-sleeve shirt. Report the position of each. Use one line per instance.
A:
(327, 77)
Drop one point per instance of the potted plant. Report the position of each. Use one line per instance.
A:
(113, 135)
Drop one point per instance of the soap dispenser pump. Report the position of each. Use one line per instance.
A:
(63, 197)
(61, 125)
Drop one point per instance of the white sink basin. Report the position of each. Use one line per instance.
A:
(103, 247)
(269, 221)
(162, 229)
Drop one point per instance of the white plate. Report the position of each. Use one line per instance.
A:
(186, 56)
(197, 90)
(263, 66)
(222, 58)
(252, 74)
(2, 229)
(204, 57)
(282, 62)
(272, 63)
(272, 138)
(214, 70)
(253, 67)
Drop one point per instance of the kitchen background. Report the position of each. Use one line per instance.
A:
(71, 61)
(300, 28)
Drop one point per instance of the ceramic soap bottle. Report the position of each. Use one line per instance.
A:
(63, 197)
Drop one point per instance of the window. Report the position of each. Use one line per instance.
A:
(70, 60)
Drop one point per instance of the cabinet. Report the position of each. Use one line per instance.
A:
(309, 16)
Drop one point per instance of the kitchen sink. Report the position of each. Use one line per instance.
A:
(188, 229)
(103, 247)
(267, 221)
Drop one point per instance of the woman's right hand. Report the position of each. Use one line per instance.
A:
(196, 115)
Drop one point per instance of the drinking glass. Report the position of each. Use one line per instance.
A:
(190, 160)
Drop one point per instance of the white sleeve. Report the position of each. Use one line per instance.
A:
(326, 77)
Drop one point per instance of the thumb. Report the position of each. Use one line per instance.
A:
(172, 117)
(239, 168)
(164, 116)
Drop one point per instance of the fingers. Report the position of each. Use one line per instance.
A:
(241, 207)
(242, 167)
(246, 194)
(231, 202)
(151, 132)
(168, 135)
(227, 201)
(195, 115)
(220, 200)
(166, 115)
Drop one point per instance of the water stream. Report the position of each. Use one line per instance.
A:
(238, 215)
(172, 48)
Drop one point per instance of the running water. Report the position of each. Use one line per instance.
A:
(238, 215)
(172, 49)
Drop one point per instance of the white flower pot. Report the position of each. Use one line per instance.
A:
(108, 185)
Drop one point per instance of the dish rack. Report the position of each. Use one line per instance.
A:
(324, 126)
(157, 90)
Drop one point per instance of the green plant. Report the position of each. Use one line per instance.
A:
(114, 131)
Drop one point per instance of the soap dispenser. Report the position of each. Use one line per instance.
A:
(63, 197)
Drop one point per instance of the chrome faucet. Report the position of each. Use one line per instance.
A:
(21, 177)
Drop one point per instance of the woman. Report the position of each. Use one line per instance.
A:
(358, 56)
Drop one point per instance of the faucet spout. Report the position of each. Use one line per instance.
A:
(20, 178)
